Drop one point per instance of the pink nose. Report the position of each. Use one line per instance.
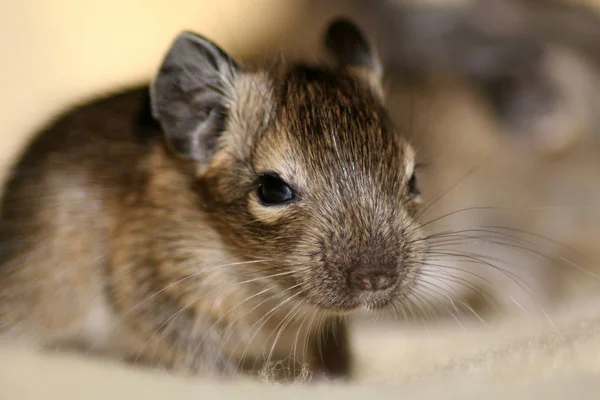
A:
(371, 280)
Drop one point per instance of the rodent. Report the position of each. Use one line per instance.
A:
(220, 221)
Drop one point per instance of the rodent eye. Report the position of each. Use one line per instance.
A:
(273, 190)
(413, 189)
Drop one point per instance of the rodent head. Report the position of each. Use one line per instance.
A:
(298, 166)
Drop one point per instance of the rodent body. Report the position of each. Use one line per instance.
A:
(224, 223)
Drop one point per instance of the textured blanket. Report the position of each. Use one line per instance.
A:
(554, 357)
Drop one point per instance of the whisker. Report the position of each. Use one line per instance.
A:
(268, 315)
(466, 176)
(480, 259)
(437, 267)
(295, 343)
(432, 288)
(251, 310)
(281, 326)
(470, 286)
(187, 278)
(472, 310)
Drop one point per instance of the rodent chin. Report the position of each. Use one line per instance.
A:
(355, 302)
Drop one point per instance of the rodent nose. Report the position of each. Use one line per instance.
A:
(371, 280)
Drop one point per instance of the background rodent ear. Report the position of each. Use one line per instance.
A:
(509, 70)
(498, 15)
(521, 93)
(349, 47)
(189, 95)
(485, 56)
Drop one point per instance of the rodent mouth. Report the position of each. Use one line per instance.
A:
(355, 302)
(376, 301)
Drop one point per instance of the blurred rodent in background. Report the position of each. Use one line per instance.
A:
(500, 99)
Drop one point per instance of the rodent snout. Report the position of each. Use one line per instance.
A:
(372, 280)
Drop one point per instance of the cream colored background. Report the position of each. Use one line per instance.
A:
(56, 52)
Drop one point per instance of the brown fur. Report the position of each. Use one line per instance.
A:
(110, 241)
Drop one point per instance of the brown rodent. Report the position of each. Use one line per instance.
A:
(234, 234)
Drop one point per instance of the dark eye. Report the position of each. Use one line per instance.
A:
(413, 189)
(273, 190)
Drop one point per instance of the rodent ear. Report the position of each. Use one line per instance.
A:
(484, 56)
(509, 69)
(189, 95)
(349, 47)
(520, 98)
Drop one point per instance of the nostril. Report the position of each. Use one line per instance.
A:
(371, 281)
(360, 281)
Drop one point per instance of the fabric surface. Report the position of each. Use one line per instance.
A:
(517, 358)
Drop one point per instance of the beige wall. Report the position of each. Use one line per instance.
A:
(54, 52)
